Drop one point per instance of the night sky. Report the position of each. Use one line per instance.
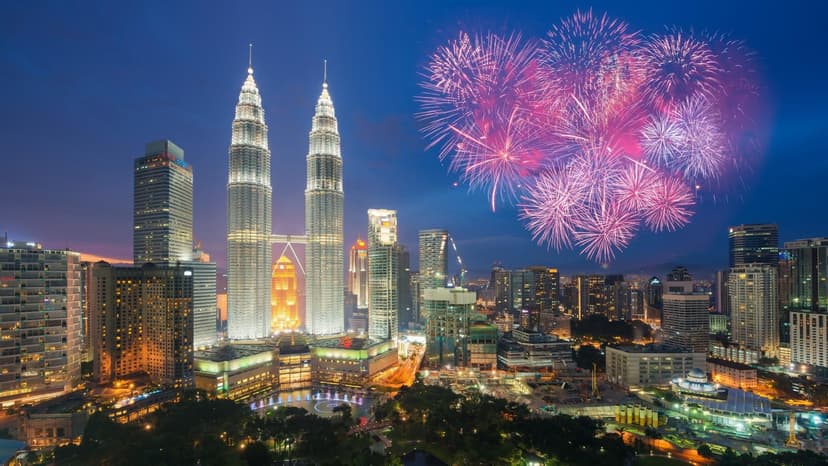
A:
(86, 84)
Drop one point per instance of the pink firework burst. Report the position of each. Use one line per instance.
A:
(587, 53)
(671, 205)
(554, 206)
(635, 187)
(500, 157)
(677, 67)
(605, 231)
(662, 139)
(597, 129)
(703, 145)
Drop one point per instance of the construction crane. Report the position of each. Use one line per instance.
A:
(459, 262)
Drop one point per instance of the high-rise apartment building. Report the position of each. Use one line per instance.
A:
(358, 273)
(807, 264)
(284, 305)
(685, 321)
(754, 309)
(249, 211)
(324, 256)
(162, 205)
(547, 295)
(141, 320)
(382, 274)
(754, 244)
(40, 321)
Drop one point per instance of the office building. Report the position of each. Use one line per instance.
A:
(654, 303)
(324, 256)
(447, 312)
(732, 374)
(249, 213)
(482, 345)
(678, 280)
(415, 290)
(141, 320)
(204, 299)
(754, 311)
(382, 274)
(809, 341)
(284, 305)
(162, 205)
(350, 362)
(685, 322)
(754, 244)
(528, 351)
(40, 321)
(358, 273)
(641, 366)
(239, 372)
(720, 292)
(501, 282)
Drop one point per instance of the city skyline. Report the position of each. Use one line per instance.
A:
(377, 123)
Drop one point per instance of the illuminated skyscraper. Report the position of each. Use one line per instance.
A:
(162, 205)
(324, 255)
(383, 271)
(249, 219)
(433, 258)
(358, 273)
(284, 311)
(754, 244)
(754, 308)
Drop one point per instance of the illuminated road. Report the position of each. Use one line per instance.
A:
(405, 372)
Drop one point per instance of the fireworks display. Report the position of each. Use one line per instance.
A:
(597, 131)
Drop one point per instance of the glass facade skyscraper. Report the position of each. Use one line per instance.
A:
(249, 249)
(324, 254)
(808, 267)
(162, 205)
(754, 244)
(383, 271)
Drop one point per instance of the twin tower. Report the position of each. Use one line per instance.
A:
(249, 211)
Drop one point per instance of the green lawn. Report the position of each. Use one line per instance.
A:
(643, 460)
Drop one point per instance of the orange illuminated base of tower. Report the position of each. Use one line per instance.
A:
(284, 310)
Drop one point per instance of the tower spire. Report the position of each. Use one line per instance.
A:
(250, 58)
(324, 73)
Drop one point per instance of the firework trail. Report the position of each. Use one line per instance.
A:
(597, 130)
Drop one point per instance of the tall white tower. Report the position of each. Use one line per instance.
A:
(383, 270)
(249, 219)
(324, 254)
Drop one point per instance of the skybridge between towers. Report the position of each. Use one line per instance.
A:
(289, 241)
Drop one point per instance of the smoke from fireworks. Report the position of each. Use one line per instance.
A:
(597, 130)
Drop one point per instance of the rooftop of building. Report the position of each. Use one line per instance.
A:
(346, 342)
(292, 343)
(730, 364)
(648, 349)
(64, 404)
(232, 351)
